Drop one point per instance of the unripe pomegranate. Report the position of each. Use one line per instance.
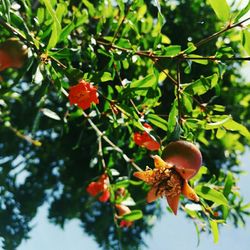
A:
(185, 157)
(13, 54)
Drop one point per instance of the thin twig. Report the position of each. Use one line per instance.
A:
(100, 152)
(17, 33)
(120, 25)
(178, 89)
(116, 148)
(23, 136)
(131, 101)
(229, 27)
(179, 57)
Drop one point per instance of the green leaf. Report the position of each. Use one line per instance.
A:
(246, 40)
(221, 9)
(61, 10)
(235, 126)
(123, 183)
(90, 7)
(147, 82)
(56, 26)
(158, 121)
(228, 184)
(221, 120)
(243, 12)
(142, 86)
(124, 43)
(121, 6)
(200, 61)
(210, 194)
(172, 50)
(214, 229)
(40, 15)
(221, 132)
(6, 9)
(191, 47)
(106, 77)
(134, 215)
(187, 102)
(202, 85)
(51, 114)
(172, 119)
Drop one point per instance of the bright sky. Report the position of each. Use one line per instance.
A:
(170, 232)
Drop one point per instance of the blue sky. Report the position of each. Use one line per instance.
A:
(170, 232)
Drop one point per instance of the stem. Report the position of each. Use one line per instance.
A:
(178, 92)
(100, 152)
(30, 44)
(131, 101)
(120, 25)
(17, 33)
(179, 57)
(229, 27)
(23, 136)
(116, 148)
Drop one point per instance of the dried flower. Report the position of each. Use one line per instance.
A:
(166, 181)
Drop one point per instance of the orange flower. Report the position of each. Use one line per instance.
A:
(166, 181)
(145, 140)
(100, 188)
(122, 210)
(83, 94)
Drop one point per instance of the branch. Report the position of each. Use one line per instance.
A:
(17, 33)
(116, 148)
(178, 89)
(179, 57)
(229, 27)
(30, 44)
(120, 25)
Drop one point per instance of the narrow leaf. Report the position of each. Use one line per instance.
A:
(56, 26)
(134, 215)
(51, 114)
(214, 229)
(210, 194)
(221, 9)
(246, 40)
(158, 121)
(202, 85)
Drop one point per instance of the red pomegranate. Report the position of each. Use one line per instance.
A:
(185, 157)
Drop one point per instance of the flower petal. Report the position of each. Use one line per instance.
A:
(159, 163)
(146, 176)
(189, 192)
(173, 202)
(152, 195)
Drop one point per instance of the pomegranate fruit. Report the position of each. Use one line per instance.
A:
(181, 161)
(13, 54)
(185, 157)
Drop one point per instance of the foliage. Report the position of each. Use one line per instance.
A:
(168, 64)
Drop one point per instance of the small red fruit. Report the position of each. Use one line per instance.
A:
(185, 156)
(13, 54)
